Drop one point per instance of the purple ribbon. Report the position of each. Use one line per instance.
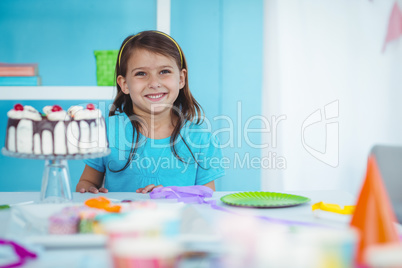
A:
(22, 253)
(185, 194)
(198, 193)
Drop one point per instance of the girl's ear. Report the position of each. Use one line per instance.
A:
(183, 74)
(123, 84)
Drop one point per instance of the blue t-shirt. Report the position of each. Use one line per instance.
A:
(154, 161)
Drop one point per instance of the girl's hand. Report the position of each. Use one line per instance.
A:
(89, 181)
(94, 190)
(147, 188)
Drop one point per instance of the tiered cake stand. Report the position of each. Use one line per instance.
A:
(56, 185)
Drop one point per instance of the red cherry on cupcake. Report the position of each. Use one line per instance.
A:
(90, 106)
(56, 108)
(18, 107)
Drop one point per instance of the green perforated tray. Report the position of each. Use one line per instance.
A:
(263, 199)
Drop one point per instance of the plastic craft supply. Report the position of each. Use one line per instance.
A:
(7, 206)
(22, 253)
(346, 210)
(87, 222)
(66, 220)
(263, 199)
(63, 224)
(102, 203)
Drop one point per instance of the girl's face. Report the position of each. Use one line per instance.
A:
(153, 82)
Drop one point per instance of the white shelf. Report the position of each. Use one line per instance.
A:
(57, 93)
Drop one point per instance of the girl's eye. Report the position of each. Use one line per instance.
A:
(165, 72)
(139, 74)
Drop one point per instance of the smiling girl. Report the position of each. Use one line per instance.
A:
(155, 129)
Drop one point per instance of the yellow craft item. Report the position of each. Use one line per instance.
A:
(346, 210)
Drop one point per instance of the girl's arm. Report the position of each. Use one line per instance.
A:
(91, 181)
(211, 185)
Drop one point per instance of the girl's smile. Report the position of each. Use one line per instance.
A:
(156, 97)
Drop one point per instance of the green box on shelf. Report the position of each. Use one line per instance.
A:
(105, 66)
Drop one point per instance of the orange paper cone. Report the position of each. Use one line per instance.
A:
(373, 217)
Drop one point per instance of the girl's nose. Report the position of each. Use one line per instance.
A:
(154, 83)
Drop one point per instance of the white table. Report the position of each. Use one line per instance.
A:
(97, 257)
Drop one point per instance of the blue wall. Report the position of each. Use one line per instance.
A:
(62, 35)
(222, 41)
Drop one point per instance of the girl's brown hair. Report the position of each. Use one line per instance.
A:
(185, 107)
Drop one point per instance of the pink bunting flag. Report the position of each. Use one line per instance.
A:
(394, 25)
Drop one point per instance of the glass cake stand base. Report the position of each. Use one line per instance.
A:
(56, 182)
(56, 185)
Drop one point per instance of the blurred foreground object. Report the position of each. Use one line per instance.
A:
(373, 217)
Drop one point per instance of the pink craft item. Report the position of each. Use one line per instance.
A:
(394, 26)
(22, 253)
